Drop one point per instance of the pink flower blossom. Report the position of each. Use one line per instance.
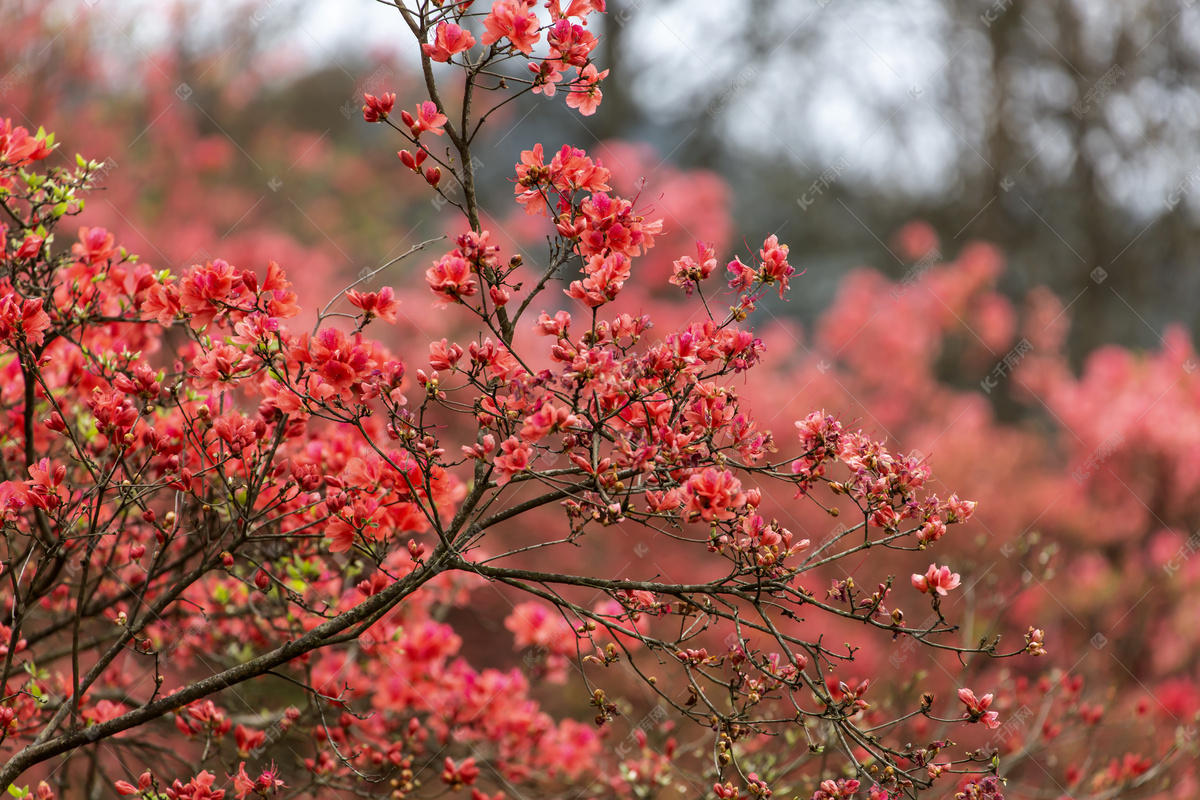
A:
(977, 708)
(577, 8)
(199, 788)
(570, 45)
(712, 495)
(18, 147)
(775, 268)
(451, 279)
(517, 456)
(450, 40)
(605, 278)
(936, 579)
(428, 119)
(546, 77)
(95, 246)
(513, 20)
(382, 304)
(444, 355)
(553, 326)
(22, 318)
(689, 271)
(31, 246)
(960, 510)
(378, 108)
(585, 93)
(931, 531)
(459, 775)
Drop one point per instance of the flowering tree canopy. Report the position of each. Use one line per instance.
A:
(228, 539)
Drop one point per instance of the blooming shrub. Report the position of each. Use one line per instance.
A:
(261, 533)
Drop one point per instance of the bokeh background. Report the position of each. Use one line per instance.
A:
(996, 204)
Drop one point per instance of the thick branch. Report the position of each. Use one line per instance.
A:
(321, 636)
